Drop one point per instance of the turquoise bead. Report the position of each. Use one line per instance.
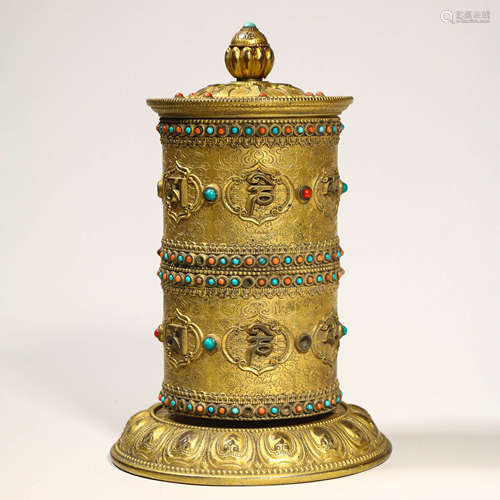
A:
(300, 129)
(209, 343)
(338, 254)
(341, 126)
(234, 130)
(274, 410)
(319, 279)
(160, 274)
(337, 400)
(275, 130)
(187, 279)
(211, 281)
(223, 261)
(274, 281)
(172, 403)
(310, 258)
(344, 187)
(210, 131)
(165, 256)
(236, 261)
(187, 129)
(210, 194)
(309, 407)
(299, 281)
(335, 128)
(327, 403)
(344, 330)
(189, 407)
(171, 129)
(327, 256)
(262, 261)
(321, 129)
(163, 399)
(180, 258)
(235, 411)
(249, 25)
(288, 260)
(211, 409)
(334, 276)
(170, 277)
(235, 281)
(248, 130)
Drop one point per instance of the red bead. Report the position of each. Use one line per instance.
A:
(306, 193)
(207, 94)
(157, 333)
(309, 93)
(179, 94)
(262, 94)
(319, 93)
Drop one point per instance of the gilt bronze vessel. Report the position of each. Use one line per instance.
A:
(250, 268)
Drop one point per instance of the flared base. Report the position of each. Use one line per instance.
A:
(157, 446)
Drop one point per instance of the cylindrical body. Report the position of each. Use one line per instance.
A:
(250, 260)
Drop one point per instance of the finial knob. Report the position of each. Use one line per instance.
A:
(249, 55)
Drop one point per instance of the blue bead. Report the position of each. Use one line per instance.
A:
(337, 400)
(262, 261)
(187, 130)
(300, 129)
(222, 261)
(334, 276)
(327, 256)
(288, 259)
(210, 194)
(170, 277)
(163, 399)
(249, 25)
(172, 403)
(335, 128)
(235, 281)
(299, 281)
(187, 279)
(344, 187)
(309, 407)
(344, 330)
(160, 274)
(234, 130)
(235, 411)
(189, 407)
(310, 258)
(248, 131)
(321, 129)
(236, 261)
(319, 279)
(180, 258)
(275, 130)
(274, 410)
(209, 343)
(338, 254)
(327, 403)
(274, 281)
(171, 129)
(211, 409)
(210, 130)
(211, 281)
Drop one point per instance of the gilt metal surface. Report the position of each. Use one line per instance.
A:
(250, 268)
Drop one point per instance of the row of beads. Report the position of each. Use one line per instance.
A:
(248, 281)
(190, 259)
(203, 409)
(249, 130)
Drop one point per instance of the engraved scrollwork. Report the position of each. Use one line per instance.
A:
(181, 191)
(259, 194)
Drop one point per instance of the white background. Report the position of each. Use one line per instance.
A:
(81, 224)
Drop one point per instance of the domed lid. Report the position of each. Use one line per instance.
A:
(249, 58)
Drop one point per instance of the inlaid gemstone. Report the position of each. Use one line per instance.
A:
(210, 131)
(274, 410)
(209, 343)
(210, 194)
(235, 281)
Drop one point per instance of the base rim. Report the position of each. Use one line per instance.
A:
(157, 447)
